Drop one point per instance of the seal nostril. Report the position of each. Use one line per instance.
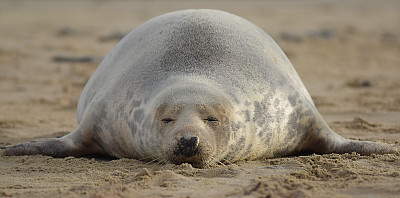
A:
(194, 142)
(187, 146)
(191, 142)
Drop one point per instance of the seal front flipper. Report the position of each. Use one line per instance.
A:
(76, 143)
(324, 140)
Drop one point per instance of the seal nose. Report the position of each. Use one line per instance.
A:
(187, 146)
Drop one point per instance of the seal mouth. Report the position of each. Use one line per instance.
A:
(197, 161)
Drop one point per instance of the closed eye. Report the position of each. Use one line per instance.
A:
(212, 119)
(167, 120)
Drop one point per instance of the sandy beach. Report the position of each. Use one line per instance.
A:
(346, 52)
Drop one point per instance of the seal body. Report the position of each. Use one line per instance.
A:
(197, 86)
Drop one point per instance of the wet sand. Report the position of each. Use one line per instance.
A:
(346, 52)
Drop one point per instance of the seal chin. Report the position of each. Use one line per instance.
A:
(198, 161)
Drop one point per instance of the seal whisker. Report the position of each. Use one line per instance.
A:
(153, 159)
(221, 163)
(151, 162)
(146, 158)
(149, 158)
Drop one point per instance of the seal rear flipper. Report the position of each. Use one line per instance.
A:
(327, 141)
(73, 144)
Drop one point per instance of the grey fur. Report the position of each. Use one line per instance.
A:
(187, 62)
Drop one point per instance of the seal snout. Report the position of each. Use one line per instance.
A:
(187, 146)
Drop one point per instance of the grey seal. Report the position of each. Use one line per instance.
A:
(197, 86)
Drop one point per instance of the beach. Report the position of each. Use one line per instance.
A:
(346, 52)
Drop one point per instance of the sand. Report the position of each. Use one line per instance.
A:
(346, 52)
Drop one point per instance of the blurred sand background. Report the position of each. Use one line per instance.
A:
(346, 52)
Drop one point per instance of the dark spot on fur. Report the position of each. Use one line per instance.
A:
(265, 114)
(249, 149)
(234, 149)
(133, 127)
(259, 111)
(240, 144)
(277, 102)
(260, 133)
(136, 103)
(138, 115)
(293, 99)
(301, 123)
(96, 129)
(146, 99)
(247, 116)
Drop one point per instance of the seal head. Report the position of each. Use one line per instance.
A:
(193, 122)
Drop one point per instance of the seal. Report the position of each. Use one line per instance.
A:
(197, 86)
